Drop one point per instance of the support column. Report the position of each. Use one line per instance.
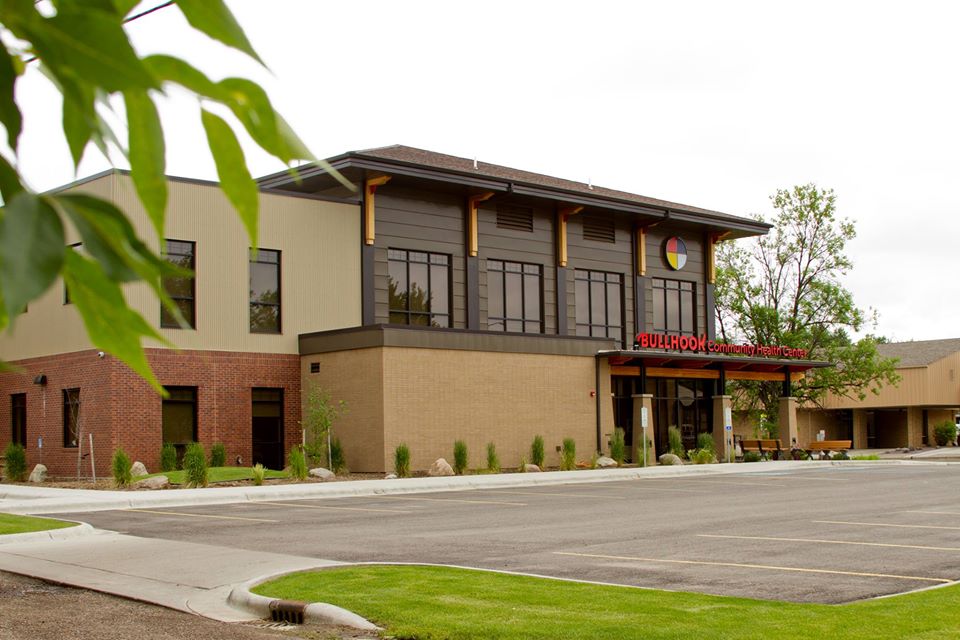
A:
(788, 422)
(859, 429)
(914, 427)
(722, 436)
(643, 404)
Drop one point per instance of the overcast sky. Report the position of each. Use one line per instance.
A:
(705, 103)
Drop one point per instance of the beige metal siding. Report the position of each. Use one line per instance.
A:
(320, 272)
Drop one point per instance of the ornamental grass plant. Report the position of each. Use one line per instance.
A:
(195, 465)
(122, 468)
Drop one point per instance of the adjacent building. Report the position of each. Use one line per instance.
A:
(442, 299)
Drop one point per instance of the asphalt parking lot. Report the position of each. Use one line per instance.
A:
(827, 534)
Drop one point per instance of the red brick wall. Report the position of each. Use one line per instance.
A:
(121, 410)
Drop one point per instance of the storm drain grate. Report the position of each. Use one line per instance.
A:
(290, 611)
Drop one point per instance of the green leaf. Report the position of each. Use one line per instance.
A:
(90, 45)
(235, 178)
(10, 184)
(112, 325)
(79, 122)
(9, 111)
(214, 19)
(123, 7)
(147, 155)
(169, 69)
(31, 249)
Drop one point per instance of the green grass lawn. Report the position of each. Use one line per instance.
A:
(436, 602)
(216, 474)
(10, 523)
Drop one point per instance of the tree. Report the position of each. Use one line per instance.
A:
(83, 50)
(786, 288)
(319, 414)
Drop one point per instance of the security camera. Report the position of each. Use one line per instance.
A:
(101, 355)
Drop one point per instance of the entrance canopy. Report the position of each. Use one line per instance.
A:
(655, 363)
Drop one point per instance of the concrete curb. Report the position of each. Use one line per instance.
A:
(320, 612)
(66, 533)
(54, 500)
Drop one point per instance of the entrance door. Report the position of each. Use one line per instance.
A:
(267, 428)
(18, 418)
(684, 404)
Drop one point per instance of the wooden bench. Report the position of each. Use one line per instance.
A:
(772, 447)
(823, 446)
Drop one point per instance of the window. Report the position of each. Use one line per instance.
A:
(18, 418)
(179, 416)
(76, 246)
(419, 288)
(514, 296)
(71, 417)
(181, 289)
(265, 291)
(599, 301)
(674, 306)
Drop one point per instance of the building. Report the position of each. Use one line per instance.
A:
(898, 416)
(444, 299)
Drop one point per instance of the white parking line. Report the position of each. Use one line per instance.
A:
(757, 566)
(818, 541)
(883, 524)
(298, 505)
(197, 515)
(512, 504)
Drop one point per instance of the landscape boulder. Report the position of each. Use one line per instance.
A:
(324, 474)
(39, 473)
(528, 468)
(390, 476)
(156, 482)
(440, 467)
(138, 469)
(605, 462)
(670, 459)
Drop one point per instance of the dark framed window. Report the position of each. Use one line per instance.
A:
(181, 289)
(179, 416)
(76, 246)
(674, 306)
(267, 428)
(18, 418)
(265, 291)
(514, 296)
(71, 417)
(599, 301)
(419, 288)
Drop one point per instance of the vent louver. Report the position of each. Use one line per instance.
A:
(514, 217)
(599, 228)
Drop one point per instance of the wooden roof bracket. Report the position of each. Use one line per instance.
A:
(640, 246)
(369, 220)
(473, 203)
(563, 214)
(711, 256)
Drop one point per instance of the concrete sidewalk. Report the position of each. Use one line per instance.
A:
(33, 499)
(195, 578)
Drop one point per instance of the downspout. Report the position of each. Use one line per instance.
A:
(596, 361)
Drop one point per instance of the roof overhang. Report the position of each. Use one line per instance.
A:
(732, 367)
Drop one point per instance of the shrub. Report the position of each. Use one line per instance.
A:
(593, 460)
(840, 455)
(675, 441)
(168, 457)
(122, 475)
(493, 460)
(195, 464)
(259, 472)
(536, 451)
(401, 460)
(218, 455)
(16, 462)
(944, 433)
(459, 457)
(701, 456)
(618, 447)
(871, 456)
(297, 463)
(751, 456)
(523, 465)
(338, 463)
(568, 456)
(705, 441)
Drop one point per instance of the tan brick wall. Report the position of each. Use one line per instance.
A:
(433, 397)
(355, 377)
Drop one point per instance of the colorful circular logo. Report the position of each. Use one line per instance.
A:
(676, 253)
